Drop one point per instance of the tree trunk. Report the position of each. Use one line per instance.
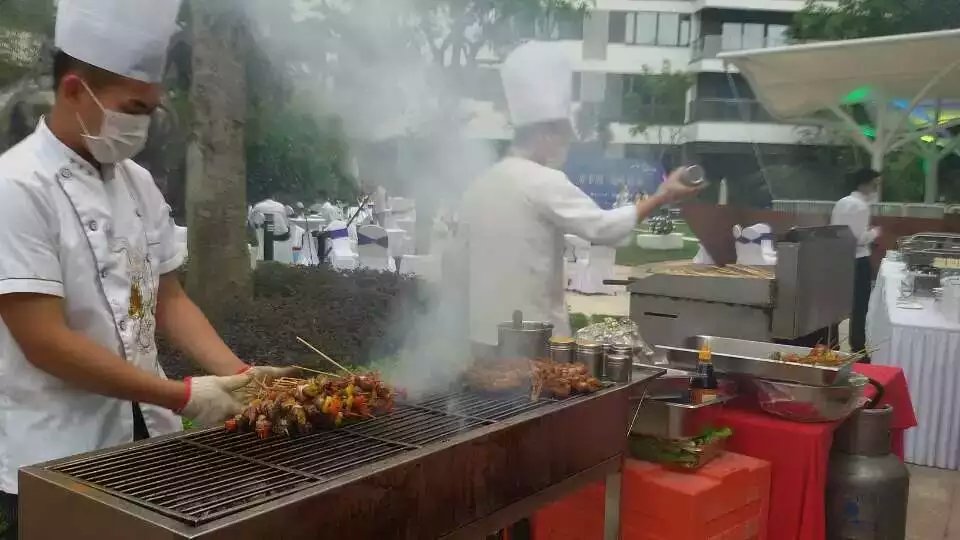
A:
(932, 184)
(219, 265)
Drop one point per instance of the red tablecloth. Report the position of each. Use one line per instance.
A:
(799, 453)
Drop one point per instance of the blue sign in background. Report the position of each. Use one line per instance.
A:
(601, 177)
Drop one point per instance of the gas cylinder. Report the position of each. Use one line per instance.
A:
(867, 486)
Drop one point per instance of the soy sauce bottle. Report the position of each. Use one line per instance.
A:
(704, 387)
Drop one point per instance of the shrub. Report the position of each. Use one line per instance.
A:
(346, 315)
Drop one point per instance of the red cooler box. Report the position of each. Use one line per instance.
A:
(725, 500)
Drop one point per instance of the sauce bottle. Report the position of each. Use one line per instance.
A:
(704, 387)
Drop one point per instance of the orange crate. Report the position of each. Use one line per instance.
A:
(725, 500)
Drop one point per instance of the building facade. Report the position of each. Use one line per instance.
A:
(648, 72)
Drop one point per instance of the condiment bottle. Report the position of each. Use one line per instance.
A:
(618, 364)
(704, 386)
(562, 350)
(590, 354)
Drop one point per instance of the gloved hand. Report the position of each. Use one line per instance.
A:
(266, 374)
(211, 399)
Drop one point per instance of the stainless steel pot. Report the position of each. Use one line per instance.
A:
(523, 339)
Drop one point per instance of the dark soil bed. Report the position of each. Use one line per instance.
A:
(349, 316)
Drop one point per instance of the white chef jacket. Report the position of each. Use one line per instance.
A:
(279, 212)
(101, 241)
(854, 212)
(513, 221)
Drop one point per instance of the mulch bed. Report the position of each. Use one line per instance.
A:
(354, 317)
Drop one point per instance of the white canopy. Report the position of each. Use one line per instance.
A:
(893, 74)
(800, 80)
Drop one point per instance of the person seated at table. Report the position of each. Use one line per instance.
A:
(324, 208)
(854, 212)
(279, 211)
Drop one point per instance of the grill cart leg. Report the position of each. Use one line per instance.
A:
(611, 506)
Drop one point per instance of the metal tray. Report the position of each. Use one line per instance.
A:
(753, 358)
(674, 419)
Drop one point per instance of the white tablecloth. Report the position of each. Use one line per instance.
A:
(926, 345)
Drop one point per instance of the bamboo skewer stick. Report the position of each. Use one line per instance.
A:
(318, 372)
(325, 357)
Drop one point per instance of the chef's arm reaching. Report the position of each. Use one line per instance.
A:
(182, 323)
(572, 211)
(38, 325)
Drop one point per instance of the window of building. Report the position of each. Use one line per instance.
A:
(776, 35)
(668, 29)
(731, 36)
(738, 36)
(650, 28)
(754, 36)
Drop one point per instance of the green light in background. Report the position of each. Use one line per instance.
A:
(857, 96)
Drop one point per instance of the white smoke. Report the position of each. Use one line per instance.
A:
(369, 62)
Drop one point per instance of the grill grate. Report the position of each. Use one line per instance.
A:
(206, 475)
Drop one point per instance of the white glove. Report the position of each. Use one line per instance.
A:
(266, 374)
(211, 400)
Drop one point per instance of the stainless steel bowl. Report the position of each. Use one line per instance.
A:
(803, 403)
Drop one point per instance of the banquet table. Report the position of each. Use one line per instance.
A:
(926, 345)
(799, 453)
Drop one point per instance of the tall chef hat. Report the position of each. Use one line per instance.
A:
(538, 82)
(126, 37)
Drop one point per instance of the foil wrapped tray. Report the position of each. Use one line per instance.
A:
(754, 359)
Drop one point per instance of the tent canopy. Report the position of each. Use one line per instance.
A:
(800, 80)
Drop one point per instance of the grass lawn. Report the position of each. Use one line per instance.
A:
(635, 256)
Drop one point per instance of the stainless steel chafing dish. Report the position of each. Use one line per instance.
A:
(810, 288)
(752, 359)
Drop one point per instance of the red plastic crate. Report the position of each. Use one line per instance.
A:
(725, 500)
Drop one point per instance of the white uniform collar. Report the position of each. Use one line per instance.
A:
(55, 152)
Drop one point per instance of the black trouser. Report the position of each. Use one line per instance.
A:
(862, 277)
(8, 502)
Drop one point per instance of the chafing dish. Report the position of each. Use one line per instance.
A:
(803, 403)
(675, 418)
(753, 359)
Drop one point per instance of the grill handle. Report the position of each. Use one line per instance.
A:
(623, 282)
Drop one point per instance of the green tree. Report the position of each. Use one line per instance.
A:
(867, 18)
(871, 18)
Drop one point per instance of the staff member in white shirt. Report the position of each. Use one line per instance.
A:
(854, 212)
(88, 258)
(515, 215)
(280, 213)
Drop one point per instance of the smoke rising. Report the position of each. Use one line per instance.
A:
(370, 63)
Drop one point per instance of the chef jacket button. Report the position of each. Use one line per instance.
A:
(66, 173)
(93, 225)
(123, 326)
(103, 274)
(139, 214)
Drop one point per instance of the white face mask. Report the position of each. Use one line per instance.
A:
(121, 137)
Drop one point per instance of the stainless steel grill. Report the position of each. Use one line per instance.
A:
(207, 475)
(452, 466)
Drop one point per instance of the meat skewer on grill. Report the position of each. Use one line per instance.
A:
(294, 407)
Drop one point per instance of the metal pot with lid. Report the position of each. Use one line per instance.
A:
(523, 339)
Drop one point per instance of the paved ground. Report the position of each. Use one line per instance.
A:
(934, 508)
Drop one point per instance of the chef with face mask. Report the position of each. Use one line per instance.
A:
(88, 256)
(514, 216)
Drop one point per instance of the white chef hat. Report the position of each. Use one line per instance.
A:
(126, 37)
(538, 82)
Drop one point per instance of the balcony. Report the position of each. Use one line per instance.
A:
(729, 110)
(710, 45)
